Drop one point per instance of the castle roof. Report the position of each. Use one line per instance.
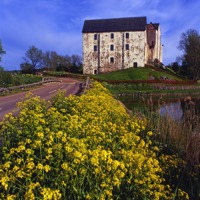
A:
(114, 25)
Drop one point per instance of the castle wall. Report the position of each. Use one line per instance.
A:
(111, 51)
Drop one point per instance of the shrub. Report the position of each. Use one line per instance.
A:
(84, 147)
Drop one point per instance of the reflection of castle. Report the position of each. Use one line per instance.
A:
(119, 43)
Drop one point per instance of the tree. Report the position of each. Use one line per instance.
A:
(27, 68)
(175, 67)
(76, 62)
(50, 59)
(1, 69)
(2, 51)
(34, 57)
(190, 45)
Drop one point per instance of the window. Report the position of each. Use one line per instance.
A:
(127, 35)
(111, 59)
(127, 46)
(111, 47)
(112, 36)
(95, 36)
(95, 47)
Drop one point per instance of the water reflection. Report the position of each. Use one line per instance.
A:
(176, 108)
(173, 110)
(185, 109)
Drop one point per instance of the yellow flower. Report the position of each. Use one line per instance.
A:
(19, 160)
(4, 182)
(10, 197)
(29, 195)
(149, 133)
(40, 135)
(47, 168)
(115, 164)
(94, 161)
(59, 134)
(40, 166)
(30, 165)
(15, 168)
(7, 165)
(28, 141)
(65, 166)
(38, 143)
(20, 174)
(88, 196)
(49, 194)
(49, 150)
(28, 151)
(20, 148)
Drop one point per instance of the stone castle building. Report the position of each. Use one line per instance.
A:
(119, 43)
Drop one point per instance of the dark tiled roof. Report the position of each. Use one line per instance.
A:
(156, 25)
(114, 25)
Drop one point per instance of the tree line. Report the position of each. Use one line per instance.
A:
(35, 59)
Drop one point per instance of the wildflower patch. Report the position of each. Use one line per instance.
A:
(73, 147)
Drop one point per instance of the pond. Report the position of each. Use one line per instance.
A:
(174, 107)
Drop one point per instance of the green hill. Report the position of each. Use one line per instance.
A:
(140, 73)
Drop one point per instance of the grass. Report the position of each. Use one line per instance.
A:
(139, 73)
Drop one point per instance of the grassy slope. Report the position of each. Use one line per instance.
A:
(135, 74)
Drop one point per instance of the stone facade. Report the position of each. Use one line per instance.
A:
(119, 44)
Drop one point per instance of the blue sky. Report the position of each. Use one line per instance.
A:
(56, 25)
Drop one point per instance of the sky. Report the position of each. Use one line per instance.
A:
(56, 25)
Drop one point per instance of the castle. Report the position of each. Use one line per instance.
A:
(119, 43)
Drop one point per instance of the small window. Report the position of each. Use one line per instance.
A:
(95, 47)
(112, 47)
(112, 36)
(111, 59)
(95, 36)
(127, 46)
(127, 35)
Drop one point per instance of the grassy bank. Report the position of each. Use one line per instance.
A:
(139, 73)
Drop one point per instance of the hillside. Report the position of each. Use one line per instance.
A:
(138, 74)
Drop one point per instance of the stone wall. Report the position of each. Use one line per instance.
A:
(111, 51)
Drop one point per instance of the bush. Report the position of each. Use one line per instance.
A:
(84, 147)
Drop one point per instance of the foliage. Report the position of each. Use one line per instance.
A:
(8, 79)
(27, 68)
(190, 44)
(33, 57)
(50, 61)
(84, 147)
(5, 78)
(174, 67)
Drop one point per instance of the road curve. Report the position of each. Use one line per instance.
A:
(8, 103)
